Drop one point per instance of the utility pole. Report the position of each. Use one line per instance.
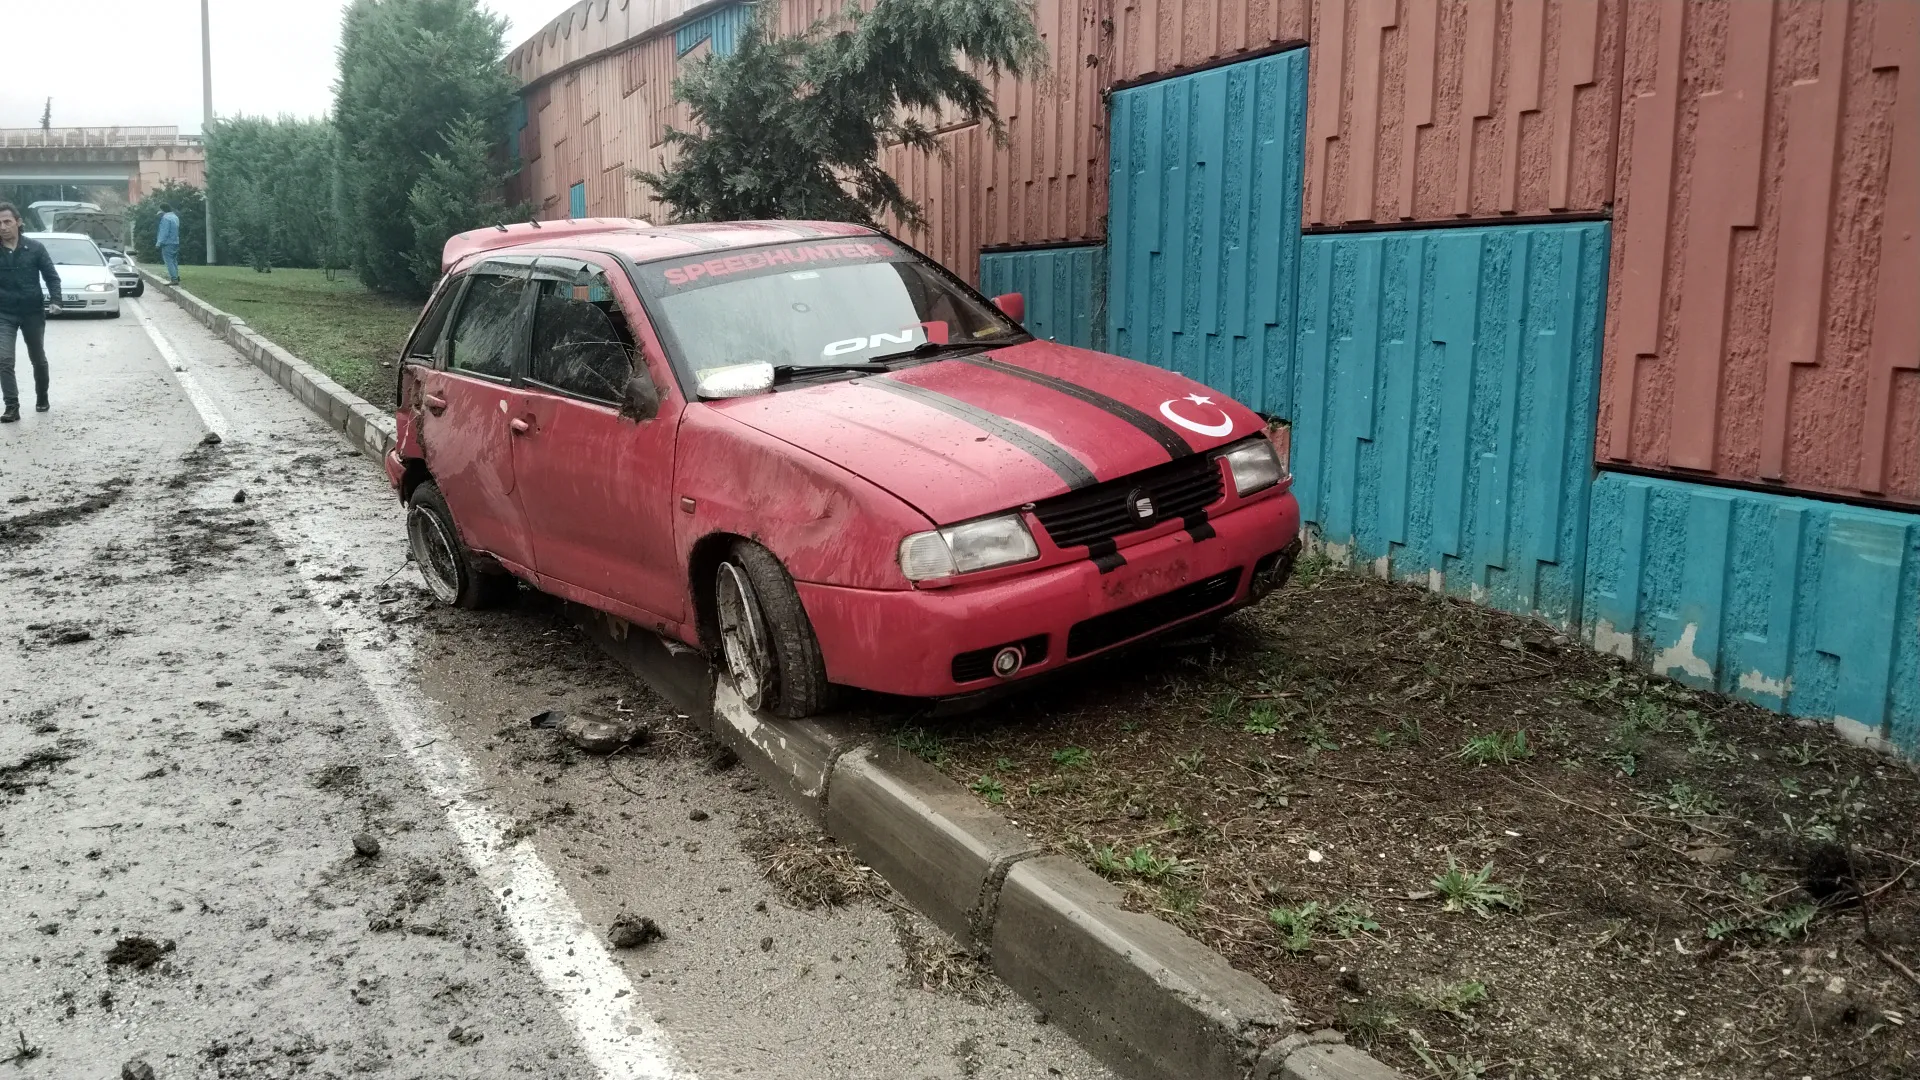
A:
(206, 125)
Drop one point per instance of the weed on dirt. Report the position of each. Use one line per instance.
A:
(1479, 848)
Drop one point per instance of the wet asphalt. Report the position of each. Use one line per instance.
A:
(217, 670)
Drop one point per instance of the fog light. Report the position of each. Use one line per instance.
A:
(1007, 661)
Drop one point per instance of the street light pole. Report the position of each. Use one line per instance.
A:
(206, 125)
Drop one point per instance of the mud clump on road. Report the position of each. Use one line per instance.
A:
(30, 771)
(139, 953)
(337, 778)
(18, 530)
(628, 932)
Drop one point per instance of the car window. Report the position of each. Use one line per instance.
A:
(581, 344)
(425, 343)
(813, 305)
(72, 251)
(486, 338)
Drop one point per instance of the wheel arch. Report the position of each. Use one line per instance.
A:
(703, 561)
(414, 472)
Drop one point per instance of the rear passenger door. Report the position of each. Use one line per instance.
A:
(470, 404)
(596, 483)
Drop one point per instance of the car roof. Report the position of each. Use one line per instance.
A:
(640, 242)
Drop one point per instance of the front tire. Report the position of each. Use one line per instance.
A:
(446, 563)
(766, 642)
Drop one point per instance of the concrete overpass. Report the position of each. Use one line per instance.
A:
(140, 158)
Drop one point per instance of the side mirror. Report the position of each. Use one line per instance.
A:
(1012, 305)
(642, 399)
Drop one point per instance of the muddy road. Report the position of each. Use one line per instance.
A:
(217, 672)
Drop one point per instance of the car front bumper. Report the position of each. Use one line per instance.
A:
(941, 642)
(90, 303)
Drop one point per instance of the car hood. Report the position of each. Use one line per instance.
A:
(72, 276)
(966, 436)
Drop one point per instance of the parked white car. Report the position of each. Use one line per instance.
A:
(88, 285)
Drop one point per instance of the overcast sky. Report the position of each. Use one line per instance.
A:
(137, 62)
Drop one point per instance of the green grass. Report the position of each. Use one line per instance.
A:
(337, 326)
(1473, 890)
(1497, 748)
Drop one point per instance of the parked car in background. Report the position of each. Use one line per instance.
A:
(818, 456)
(87, 285)
(121, 263)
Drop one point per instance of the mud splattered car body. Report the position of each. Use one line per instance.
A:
(820, 457)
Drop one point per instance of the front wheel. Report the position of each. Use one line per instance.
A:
(446, 564)
(767, 644)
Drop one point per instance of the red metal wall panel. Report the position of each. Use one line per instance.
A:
(1429, 110)
(1161, 37)
(1764, 324)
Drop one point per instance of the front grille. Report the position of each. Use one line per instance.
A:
(1092, 635)
(1177, 489)
(978, 664)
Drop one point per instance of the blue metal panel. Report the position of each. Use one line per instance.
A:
(516, 123)
(1808, 607)
(724, 26)
(1062, 287)
(577, 200)
(1203, 227)
(1444, 416)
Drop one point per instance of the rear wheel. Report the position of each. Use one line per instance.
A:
(767, 645)
(446, 564)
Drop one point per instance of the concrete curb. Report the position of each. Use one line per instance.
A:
(1143, 997)
(1149, 1001)
(369, 430)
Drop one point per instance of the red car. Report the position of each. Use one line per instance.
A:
(818, 456)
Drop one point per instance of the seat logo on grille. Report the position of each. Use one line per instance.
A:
(1140, 503)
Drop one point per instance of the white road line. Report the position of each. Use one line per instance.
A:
(210, 414)
(593, 992)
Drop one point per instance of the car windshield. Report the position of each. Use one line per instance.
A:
(821, 305)
(69, 251)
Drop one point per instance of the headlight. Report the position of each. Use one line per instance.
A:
(1255, 466)
(100, 286)
(963, 549)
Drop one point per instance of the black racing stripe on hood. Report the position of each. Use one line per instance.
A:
(1064, 465)
(1170, 440)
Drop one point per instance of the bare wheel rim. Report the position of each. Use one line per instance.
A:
(438, 554)
(743, 638)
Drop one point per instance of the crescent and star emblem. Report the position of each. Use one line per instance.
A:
(1224, 427)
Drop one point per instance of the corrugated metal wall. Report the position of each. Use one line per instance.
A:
(1764, 324)
(720, 28)
(1204, 233)
(1160, 37)
(1435, 109)
(1802, 606)
(1065, 291)
(1446, 389)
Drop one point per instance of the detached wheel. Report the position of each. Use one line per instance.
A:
(445, 563)
(766, 642)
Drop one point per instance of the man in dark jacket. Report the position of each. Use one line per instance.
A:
(24, 264)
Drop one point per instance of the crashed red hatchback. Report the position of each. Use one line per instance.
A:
(818, 456)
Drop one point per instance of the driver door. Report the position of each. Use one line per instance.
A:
(596, 484)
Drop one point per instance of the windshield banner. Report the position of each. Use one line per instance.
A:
(697, 272)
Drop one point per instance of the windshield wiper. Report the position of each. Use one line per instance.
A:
(789, 371)
(925, 348)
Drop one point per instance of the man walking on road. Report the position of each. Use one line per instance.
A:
(169, 242)
(24, 264)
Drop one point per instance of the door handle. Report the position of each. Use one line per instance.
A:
(436, 404)
(519, 426)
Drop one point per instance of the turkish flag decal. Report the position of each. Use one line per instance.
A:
(1198, 413)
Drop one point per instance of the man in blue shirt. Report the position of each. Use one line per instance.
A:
(169, 242)
(28, 284)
